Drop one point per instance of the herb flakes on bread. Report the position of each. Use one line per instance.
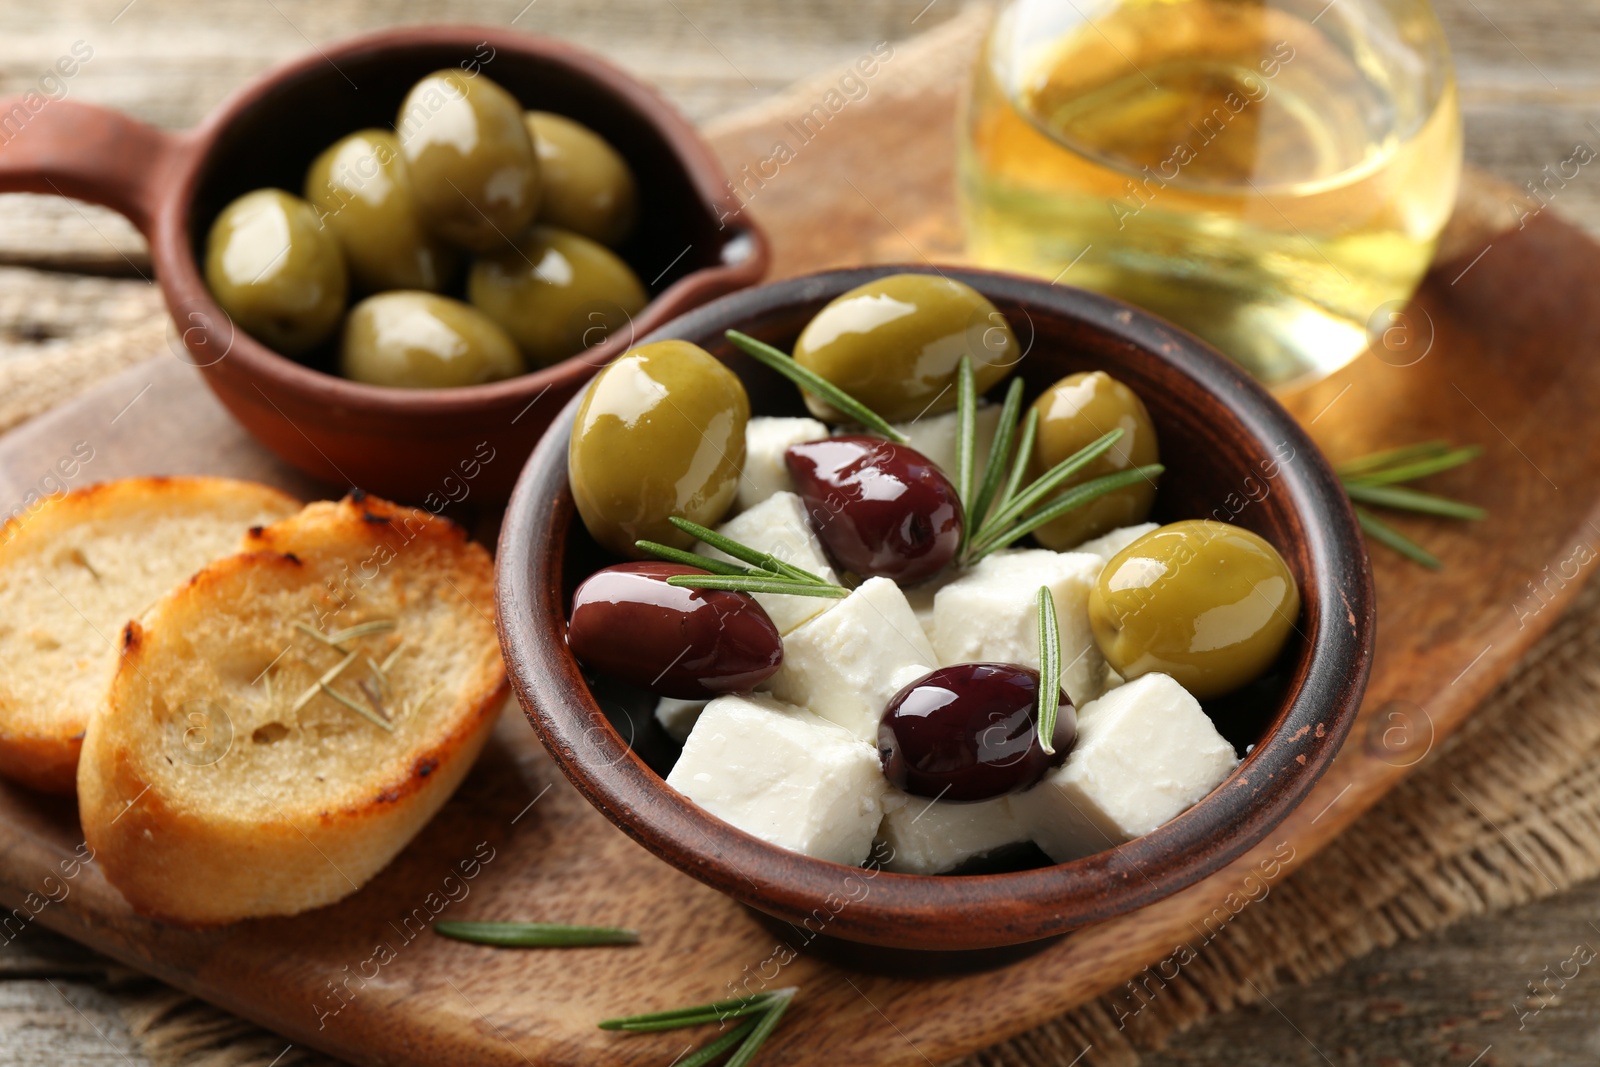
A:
(72, 573)
(280, 726)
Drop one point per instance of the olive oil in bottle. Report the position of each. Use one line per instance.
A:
(1269, 177)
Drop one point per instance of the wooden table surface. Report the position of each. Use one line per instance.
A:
(1531, 94)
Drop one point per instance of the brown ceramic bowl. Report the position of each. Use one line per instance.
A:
(691, 243)
(1231, 452)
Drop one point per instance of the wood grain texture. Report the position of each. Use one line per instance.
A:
(1516, 123)
(448, 1001)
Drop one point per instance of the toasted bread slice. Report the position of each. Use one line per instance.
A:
(221, 782)
(72, 573)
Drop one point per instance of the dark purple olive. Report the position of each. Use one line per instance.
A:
(881, 509)
(970, 732)
(687, 643)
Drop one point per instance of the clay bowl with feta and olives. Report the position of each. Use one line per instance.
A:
(394, 258)
(959, 609)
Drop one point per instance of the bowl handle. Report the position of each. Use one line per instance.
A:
(87, 152)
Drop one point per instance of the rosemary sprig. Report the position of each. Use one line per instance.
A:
(1385, 534)
(1391, 457)
(338, 638)
(328, 676)
(366, 713)
(757, 583)
(709, 1053)
(535, 935)
(766, 573)
(1069, 500)
(813, 382)
(764, 1012)
(1376, 480)
(690, 559)
(1410, 471)
(760, 560)
(1049, 670)
(1018, 510)
(1048, 481)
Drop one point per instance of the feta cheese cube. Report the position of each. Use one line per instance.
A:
(991, 614)
(678, 717)
(1145, 753)
(935, 436)
(846, 663)
(765, 441)
(1107, 545)
(779, 527)
(922, 836)
(782, 774)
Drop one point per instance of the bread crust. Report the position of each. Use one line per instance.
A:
(187, 857)
(41, 732)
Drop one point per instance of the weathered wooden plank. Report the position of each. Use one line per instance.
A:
(68, 235)
(43, 311)
(1440, 1001)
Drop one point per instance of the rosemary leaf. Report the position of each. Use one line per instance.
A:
(1075, 497)
(1385, 534)
(715, 1010)
(812, 382)
(535, 935)
(703, 1056)
(1046, 483)
(1020, 461)
(757, 583)
(763, 1029)
(1390, 457)
(390, 660)
(338, 638)
(1396, 496)
(316, 687)
(966, 429)
(312, 631)
(690, 559)
(999, 452)
(760, 560)
(1409, 472)
(374, 698)
(1049, 670)
(361, 629)
(377, 672)
(366, 713)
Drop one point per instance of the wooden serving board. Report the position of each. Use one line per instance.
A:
(1510, 334)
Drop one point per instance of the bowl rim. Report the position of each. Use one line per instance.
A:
(186, 290)
(914, 911)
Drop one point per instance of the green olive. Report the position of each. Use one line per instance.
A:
(659, 433)
(277, 271)
(417, 340)
(588, 187)
(1207, 603)
(473, 167)
(556, 293)
(362, 192)
(1074, 413)
(894, 344)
